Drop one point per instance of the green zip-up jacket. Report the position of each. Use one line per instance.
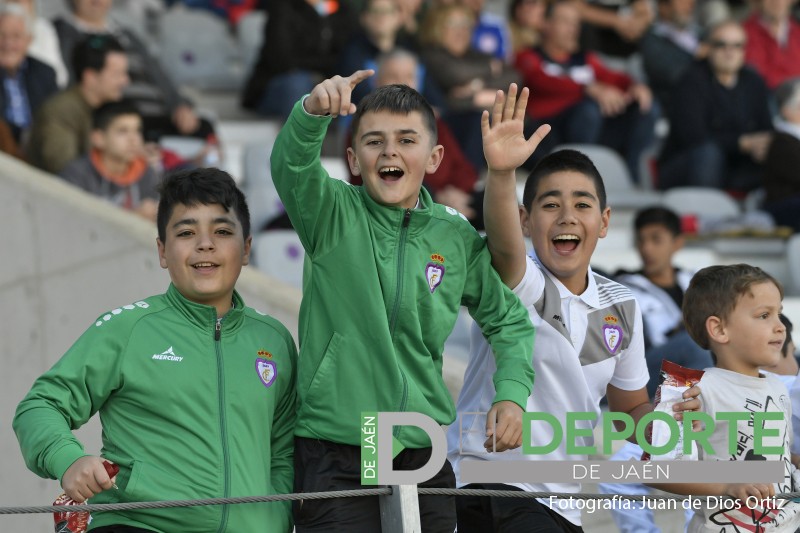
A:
(189, 410)
(381, 293)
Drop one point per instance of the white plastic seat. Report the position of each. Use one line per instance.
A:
(280, 254)
(703, 201)
(197, 49)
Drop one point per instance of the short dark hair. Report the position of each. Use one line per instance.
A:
(91, 53)
(714, 291)
(103, 116)
(563, 161)
(658, 215)
(206, 186)
(399, 99)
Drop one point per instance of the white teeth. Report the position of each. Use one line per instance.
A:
(567, 237)
(203, 265)
(390, 169)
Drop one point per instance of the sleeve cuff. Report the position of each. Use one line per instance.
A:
(513, 391)
(63, 459)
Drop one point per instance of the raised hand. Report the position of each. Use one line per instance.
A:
(504, 145)
(332, 96)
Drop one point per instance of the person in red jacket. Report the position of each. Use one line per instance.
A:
(582, 99)
(773, 41)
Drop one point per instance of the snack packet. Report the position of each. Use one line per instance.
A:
(76, 521)
(675, 380)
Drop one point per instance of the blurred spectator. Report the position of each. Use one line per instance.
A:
(27, 82)
(230, 10)
(44, 46)
(670, 46)
(163, 109)
(526, 18)
(302, 44)
(720, 124)
(782, 165)
(659, 288)
(411, 14)
(491, 34)
(453, 183)
(380, 28)
(773, 41)
(582, 99)
(468, 77)
(115, 167)
(612, 28)
(62, 126)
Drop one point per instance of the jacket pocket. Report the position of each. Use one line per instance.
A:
(325, 370)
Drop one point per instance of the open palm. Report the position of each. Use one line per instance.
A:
(504, 143)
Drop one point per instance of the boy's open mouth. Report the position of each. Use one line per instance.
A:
(566, 243)
(390, 173)
(204, 266)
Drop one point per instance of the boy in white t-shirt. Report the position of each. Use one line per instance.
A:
(589, 341)
(734, 311)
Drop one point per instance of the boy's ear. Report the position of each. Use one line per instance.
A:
(435, 159)
(605, 219)
(162, 257)
(248, 243)
(524, 220)
(716, 330)
(352, 161)
(678, 243)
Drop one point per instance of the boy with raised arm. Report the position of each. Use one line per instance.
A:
(589, 329)
(385, 273)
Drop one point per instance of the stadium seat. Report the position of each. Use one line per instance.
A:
(279, 253)
(262, 198)
(701, 201)
(197, 49)
(337, 168)
(250, 34)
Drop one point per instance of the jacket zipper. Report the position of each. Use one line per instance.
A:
(398, 293)
(222, 422)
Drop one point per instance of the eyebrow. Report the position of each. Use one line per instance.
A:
(194, 221)
(559, 194)
(396, 132)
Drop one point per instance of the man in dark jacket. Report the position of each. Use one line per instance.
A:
(720, 124)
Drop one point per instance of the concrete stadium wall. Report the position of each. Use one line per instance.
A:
(68, 257)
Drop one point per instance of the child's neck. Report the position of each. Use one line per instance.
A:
(733, 365)
(115, 166)
(663, 278)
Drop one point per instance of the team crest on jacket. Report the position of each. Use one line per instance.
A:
(267, 370)
(434, 271)
(612, 333)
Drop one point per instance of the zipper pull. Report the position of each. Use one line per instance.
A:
(217, 330)
(407, 218)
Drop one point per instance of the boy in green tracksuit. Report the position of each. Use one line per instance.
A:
(386, 271)
(196, 391)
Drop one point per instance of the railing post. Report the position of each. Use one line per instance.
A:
(400, 510)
